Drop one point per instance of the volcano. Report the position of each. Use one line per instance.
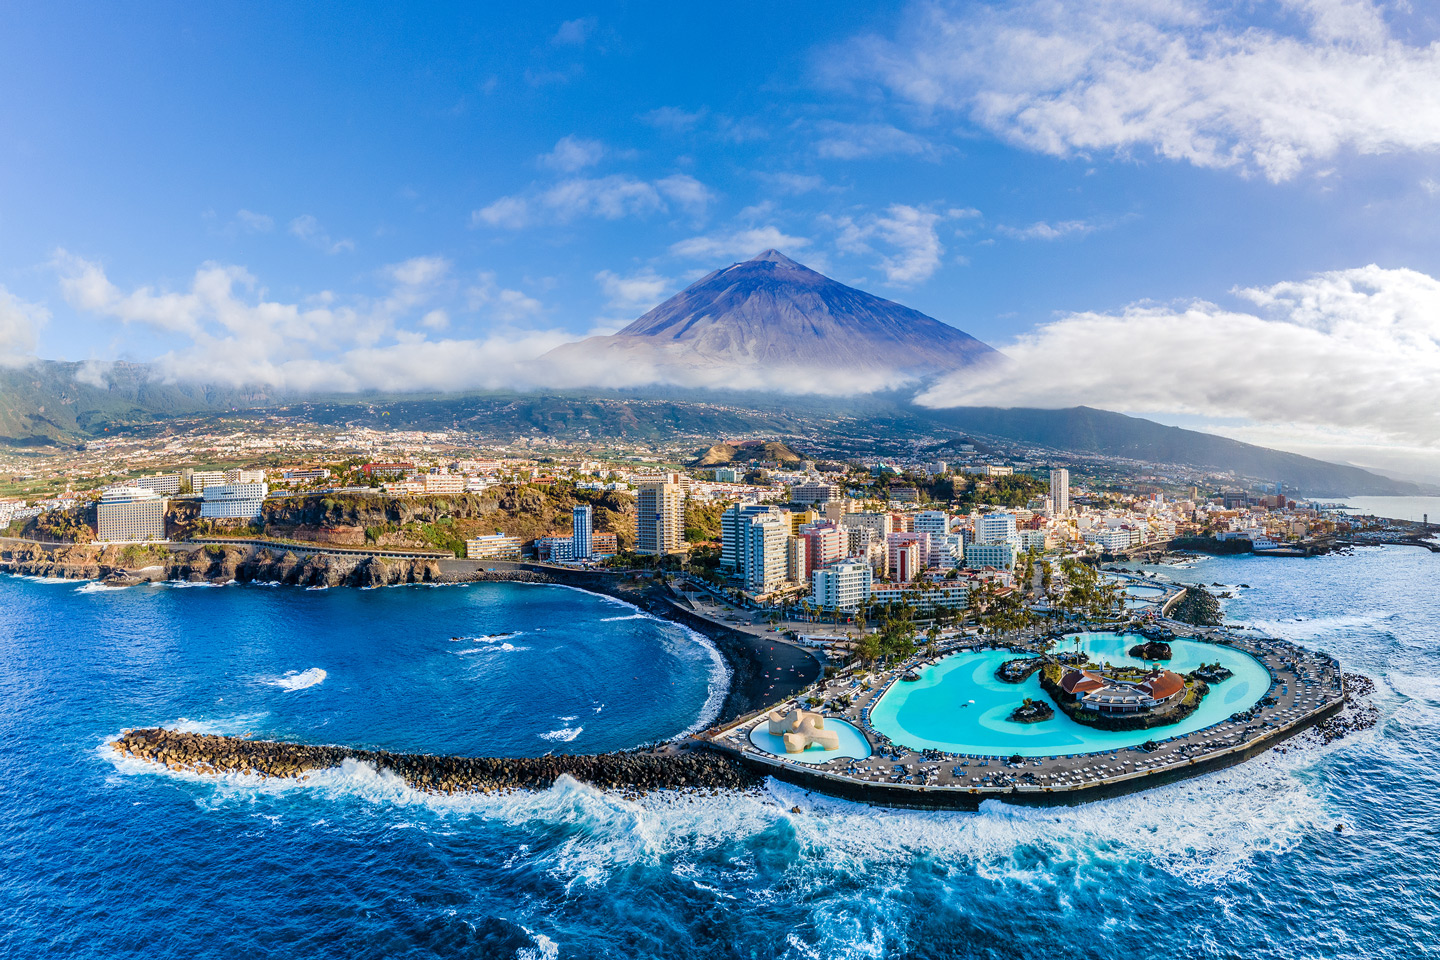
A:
(771, 317)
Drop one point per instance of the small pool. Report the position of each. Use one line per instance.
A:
(959, 706)
(852, 743)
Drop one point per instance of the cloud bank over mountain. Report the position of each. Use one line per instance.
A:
(1351, 355)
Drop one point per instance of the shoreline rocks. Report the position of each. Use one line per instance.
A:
(636, 772)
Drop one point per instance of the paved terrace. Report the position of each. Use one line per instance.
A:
(1303, 684)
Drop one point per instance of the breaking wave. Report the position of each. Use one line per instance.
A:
(299, 679)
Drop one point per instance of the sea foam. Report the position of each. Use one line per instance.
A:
(299, 679)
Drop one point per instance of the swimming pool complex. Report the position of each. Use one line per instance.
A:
(959, 706)
(852, 743)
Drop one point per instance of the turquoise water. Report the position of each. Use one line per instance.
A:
(936, 711)
(852, 743)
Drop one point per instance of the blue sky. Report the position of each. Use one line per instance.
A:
(1239, 199)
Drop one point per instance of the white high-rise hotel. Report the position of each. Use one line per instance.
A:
(1060, 490)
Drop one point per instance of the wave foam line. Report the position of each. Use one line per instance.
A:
(299, 679)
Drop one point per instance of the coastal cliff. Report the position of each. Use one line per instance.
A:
(137, 563)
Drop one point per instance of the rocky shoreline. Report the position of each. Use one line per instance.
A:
(632, 773)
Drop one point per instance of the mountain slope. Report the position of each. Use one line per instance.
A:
(1087, 430)
(770, 317)
(52, 400)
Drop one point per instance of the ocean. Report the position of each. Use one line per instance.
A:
(1414, 509)
(102, 857)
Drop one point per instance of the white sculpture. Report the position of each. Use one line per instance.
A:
(800, 728)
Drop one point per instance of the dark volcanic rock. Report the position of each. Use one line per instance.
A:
(637, 772)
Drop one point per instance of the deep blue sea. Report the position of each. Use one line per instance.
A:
(107, 858)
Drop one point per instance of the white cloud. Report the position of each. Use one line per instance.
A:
(1187, 79)
(910, 230)
(94, 373)
(500, 303)
(1041, 230)
(793, 183)
(608, 198)
(232, 334)
(675, 119)
(858, 141)
(637, 292)
(574, 33)
(20, 323)
(573, 153)
(252, 222)
(738, 244)
(1351, 350)
(307, 228)
(509, 212)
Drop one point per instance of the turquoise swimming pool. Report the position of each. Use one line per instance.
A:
(852, 743)
(959, 706)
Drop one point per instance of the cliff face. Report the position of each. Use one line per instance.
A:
(213, 565)
(440, 521)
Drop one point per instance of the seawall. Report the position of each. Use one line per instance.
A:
(641, 771)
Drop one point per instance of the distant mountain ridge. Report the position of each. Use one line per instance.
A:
(770, 314)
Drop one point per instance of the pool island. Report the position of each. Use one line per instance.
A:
(960, 730)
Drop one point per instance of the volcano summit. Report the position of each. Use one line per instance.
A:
(768, 321)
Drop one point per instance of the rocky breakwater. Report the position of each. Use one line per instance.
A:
(635, 772)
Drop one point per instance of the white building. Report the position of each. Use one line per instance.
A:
(733, 523)
(1060, 491)
(766, 556)
(582, 527)
(233, 501)
(933, 522)
(493, 547)
(130, 513)
(947, 549)
(158, 483)
(814, 493)
(841, 586)
(1000, 555)
(200, 479)
(994, 527)
(950, 593)
(244, 476)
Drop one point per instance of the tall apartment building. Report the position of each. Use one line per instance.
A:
(994, 527)
(766, 560)
(824, 543)
(660, 517)
(1060, 491)
(131, 513)
(917, 559)
(244, 476)
(233, 501)
(814, 493)
(906, 561)
(883, 524)
(797, 560)
(582, 528)
(841, 586)
(732, 533)
(933, 522)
